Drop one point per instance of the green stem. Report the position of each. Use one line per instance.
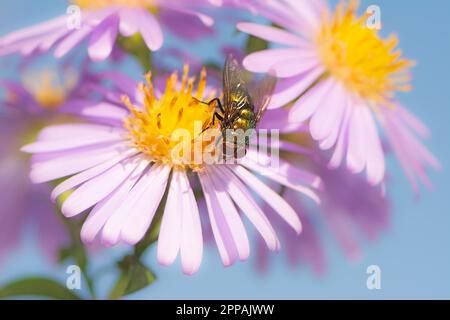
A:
(136, 47)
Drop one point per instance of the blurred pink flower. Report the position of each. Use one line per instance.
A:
(43, 95)
(351, 208)
(26, 106)
(123, 172)
(301, 249)
(102, 21)
(341, 76)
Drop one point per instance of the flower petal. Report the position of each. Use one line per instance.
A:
(272, 34)
(54, 165)
(263, 61)
(273, 199)
(103, 38)
(191, 248)
(249, 207)
(98, 188)
(105, 209)
(84, 176)
(289, 89)
(305, 107)
(142, 207)
(150, 30)
(169, 238)
(219, 224)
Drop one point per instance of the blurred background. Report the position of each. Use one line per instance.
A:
(413, 252)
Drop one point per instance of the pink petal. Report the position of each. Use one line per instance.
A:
(129, 21)
(72, 40)
(191, 247)
(357, 141)
(272, 34)
(329, 115)
(341, 145)
(263, 61)
(84, 176)
(249, 207)
(292, 67)
(375, 157)
(98, 188)
(273, 199)
(67, 144)
(170, 231)
(103, 38)
(305, 107)
(219, 224)
(113, 227)
(67, 131)
(307, 14)
(232, 218)
(205, 19)
(60, 164)
(150, 29)
(141, 207)
(104, 110)
(288, 176)
(106, 208)
(289, 89)
(34, 31)
(413, 122)
(333, 135)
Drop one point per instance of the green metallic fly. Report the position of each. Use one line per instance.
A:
(244, 104)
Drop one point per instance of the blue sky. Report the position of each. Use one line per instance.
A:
(413, 254)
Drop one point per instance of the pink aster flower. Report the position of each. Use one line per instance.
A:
(351, 208)
(341, 76)
(303, 249)
(123, 169)
(102, 21)
(26, 106)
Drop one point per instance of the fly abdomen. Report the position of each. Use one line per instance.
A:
(245, 119)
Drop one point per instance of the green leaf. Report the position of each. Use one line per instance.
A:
(37, 286)
(134, 277)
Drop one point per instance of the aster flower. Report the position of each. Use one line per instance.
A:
(341, 76)
(303, 249)
(26, 106)
(101, 23)
(351, 208)
(123, 170)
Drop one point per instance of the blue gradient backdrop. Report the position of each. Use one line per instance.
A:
(414, 255)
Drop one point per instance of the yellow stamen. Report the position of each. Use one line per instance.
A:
(48, 89)
(366, 64)
(155, 128)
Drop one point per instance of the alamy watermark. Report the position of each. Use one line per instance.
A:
(74, 15)
(374, 19)
(73, 280)
(373, 281)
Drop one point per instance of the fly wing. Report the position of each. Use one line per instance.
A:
(235, 91)
(261, 93)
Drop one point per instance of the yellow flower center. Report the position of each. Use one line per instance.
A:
(48, 89)
(171, 129)
(355, 54)
(100, 4)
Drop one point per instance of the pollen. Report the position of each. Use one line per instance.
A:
(171, 128)
(369, 66)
